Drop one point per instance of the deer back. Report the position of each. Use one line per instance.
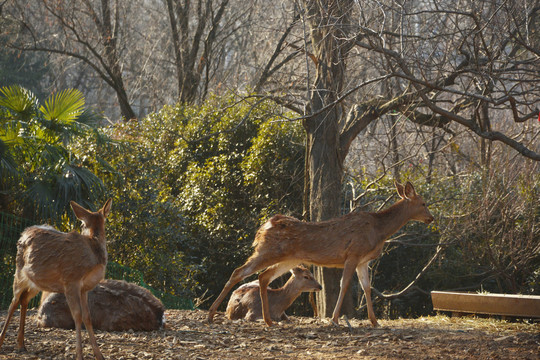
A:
(114, 305)
(358, 235)
(326, 243)
(50, 258)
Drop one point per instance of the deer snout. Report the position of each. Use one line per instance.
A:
(429, 219)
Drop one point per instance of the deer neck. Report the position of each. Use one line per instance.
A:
(389, 221)
(97, 235)
(289, 293)
(98, 244)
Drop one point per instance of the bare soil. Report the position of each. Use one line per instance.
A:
(189, 336)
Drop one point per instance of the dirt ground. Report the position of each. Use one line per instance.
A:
(189, 336)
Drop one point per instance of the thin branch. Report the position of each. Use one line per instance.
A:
(413, 283)
(279, 48)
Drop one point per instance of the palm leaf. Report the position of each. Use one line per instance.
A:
(40, 195)
(90, 117)
(64, 106)
(18, 99)
(8, 166)
(11, 135)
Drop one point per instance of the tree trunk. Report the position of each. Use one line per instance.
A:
(109, 38)
(325, 175)
(325, 157)
(125, 106)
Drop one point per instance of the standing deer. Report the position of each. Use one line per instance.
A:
(349, 242)
(70, 263)
(115, 305)
(245, 302)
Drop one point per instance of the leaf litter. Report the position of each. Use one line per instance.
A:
(189, 336)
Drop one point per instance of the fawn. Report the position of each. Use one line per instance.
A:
(349, 242)
(245, 302)
(69, 263)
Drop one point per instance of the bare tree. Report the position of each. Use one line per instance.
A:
(193, 42)
(149, 53)
(83, 30)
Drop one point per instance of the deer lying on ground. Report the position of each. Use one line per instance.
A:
(70, 263)
(245, 302)
(115, 305)
(349, 242)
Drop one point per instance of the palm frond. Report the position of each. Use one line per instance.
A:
(64, 106)
(79, 184)
(51, 156)
(8, 167)
(90, 117)
(10, 135)
(37, 152)
(18, 99)
(40, 195)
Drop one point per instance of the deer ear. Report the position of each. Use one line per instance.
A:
(400, 189)
(409, 190)
(80, 212)
(107, 208)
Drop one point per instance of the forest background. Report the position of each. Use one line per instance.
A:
(201, 119)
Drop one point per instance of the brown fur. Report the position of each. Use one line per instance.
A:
(245, 302)
(349, 242)
(71, 263)
(115, 305)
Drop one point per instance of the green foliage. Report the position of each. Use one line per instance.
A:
(196, 182)
(64, 107)
(41, 171)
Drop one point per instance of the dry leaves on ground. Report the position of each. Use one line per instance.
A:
(189, 336)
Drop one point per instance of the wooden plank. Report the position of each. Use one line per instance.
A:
(493, 304)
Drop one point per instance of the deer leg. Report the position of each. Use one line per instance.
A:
(88, 324)
(74, 302)
(363, 275)
(253, 265)
(265, 278)
(25, 298)
(12, 307)
(348, 271)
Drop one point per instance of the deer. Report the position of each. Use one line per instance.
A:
(349, 242)
(115, 305)
(245, 302)
(70, 263)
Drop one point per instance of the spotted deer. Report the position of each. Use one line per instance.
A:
(349, 242)
(245, 302)
(69, 263)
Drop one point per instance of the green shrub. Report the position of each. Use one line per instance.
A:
(193, 183)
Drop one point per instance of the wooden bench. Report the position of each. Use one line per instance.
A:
(527, 306)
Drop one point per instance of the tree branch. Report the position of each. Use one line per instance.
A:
(412, 284)
(279, 48)
(424, 87)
